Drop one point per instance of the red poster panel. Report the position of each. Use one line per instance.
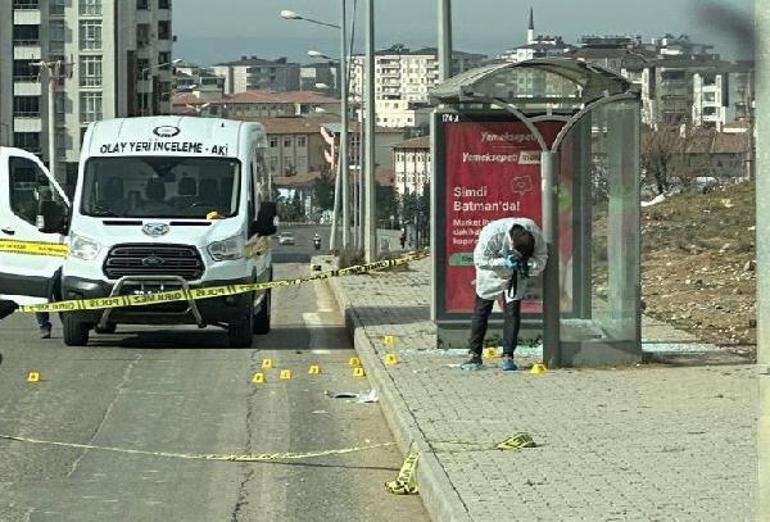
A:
(492, 172)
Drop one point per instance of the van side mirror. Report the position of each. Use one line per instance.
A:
(265, 222)
(52, 217)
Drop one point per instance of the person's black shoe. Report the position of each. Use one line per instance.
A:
(472, 364)
(45, 331)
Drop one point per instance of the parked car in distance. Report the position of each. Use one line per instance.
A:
(286, 238)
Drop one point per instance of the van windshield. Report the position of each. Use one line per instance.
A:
(160, 187)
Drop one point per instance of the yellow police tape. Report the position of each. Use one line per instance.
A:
(259, 457)
(195, 294)
(33, 248)
(406, 482)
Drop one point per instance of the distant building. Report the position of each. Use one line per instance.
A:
(537, 46)
(253, 73)
(412, 165)
(114, 51)
(313, 76)
(403, 74)
(681, 82)
(200, 81)
(252, 105)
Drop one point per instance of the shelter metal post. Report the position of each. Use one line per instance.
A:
(549, 165)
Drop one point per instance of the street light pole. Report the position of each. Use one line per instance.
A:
(444, 39)
(53, 71)
(344, 131)
(144, 78)
(370, 237)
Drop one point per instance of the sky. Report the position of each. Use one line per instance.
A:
(213, 31)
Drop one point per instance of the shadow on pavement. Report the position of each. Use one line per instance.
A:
(279, 338)
(380, 315)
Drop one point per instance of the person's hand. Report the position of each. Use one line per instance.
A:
(511, 262)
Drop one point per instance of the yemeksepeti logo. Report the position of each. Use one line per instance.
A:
(166, 131)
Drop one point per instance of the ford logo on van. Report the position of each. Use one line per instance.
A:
(155, 229)
(166, 131)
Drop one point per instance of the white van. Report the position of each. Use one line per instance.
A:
(25, 184)
(163, 203)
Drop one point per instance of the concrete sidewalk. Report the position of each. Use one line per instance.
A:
(653, 442)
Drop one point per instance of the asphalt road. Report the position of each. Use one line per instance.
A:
(181, 390)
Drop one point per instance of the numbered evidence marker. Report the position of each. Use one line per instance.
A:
(267, 364)
(285, 375)
(314, 370)
(389, 340)
(359, 372)
(259, 378)
(391, 359)
(355, 362)
(33, 377)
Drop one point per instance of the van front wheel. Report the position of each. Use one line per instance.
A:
(75, 332)
(240, 334)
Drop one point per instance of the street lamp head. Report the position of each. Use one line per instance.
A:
(322, 86)
(315, 54)
(290, 15)
(176, 61)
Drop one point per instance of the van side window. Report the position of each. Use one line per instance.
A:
(28, 186)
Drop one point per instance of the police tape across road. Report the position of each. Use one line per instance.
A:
(33, 248)
(120, 301)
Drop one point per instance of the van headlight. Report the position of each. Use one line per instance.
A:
(83, 248)
(227, 249)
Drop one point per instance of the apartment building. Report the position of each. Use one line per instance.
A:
(319, 77)
(681, 82)
(404, 74)
(112, 53)
(253, 73)
(412, 165)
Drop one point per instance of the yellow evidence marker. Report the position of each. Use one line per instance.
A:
(490, 353)
(33, 377)
(267, 364)
(314, 370)
(389, 340)
(355, 362)
(285, 375)
(359, 372)
(391, 359)
(538, 369)
(259, 378)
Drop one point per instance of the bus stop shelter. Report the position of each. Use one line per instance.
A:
(556, 140)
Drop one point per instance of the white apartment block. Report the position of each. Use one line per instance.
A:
(710, 108)
(412, 165)
(400, 114)
(111, 51)
(401, 74)
(253, 73)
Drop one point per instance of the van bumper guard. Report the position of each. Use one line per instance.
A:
(152, 280)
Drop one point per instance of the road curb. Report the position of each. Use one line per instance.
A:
(438, 494)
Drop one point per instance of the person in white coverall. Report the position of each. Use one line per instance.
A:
(509, 252)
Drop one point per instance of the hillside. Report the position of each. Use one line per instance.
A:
(698, 270)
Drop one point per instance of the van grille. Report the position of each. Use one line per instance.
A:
(150, 259)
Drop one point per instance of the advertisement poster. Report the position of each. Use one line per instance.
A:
(492, 172)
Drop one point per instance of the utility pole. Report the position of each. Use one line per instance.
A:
(54, 72)
(444, 40)
(762, 177)
(370, 239)
(345, 171)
